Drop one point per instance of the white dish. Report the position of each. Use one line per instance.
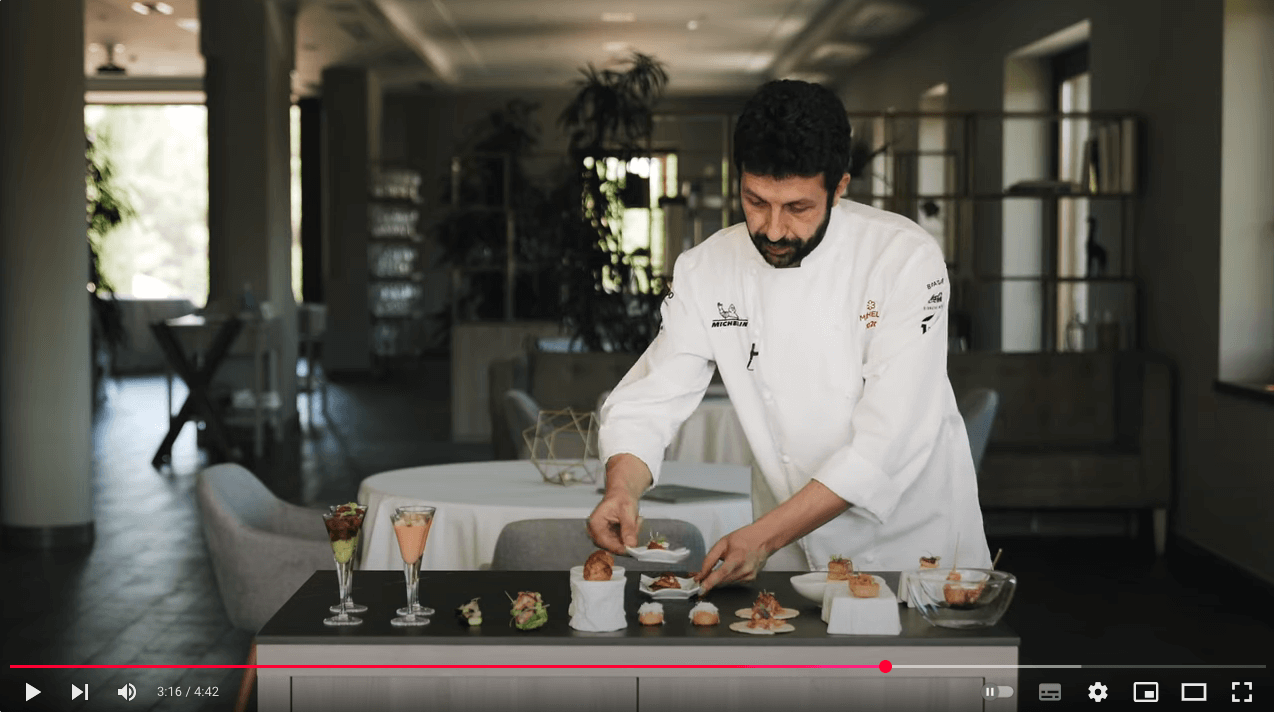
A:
(812, 584)
(689, 587)
(742, 627)
(658, 556)
(616, 573)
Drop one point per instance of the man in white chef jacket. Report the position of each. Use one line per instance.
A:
(827, 320)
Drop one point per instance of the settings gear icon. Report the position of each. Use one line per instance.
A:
(1097, 692)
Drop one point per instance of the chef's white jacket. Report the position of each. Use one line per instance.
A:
(838, 372)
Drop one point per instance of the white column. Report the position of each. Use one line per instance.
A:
(45, 391)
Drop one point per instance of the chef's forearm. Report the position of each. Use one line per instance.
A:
(626, 474)
(810, 508)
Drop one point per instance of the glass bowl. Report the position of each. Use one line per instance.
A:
(978, 599)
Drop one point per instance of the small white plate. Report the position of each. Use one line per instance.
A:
(811, 585)
(742, 627)
(689, 587)
(658, 556)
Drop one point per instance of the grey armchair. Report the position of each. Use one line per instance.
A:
(262, 548)
(978, 408)
(559, 544)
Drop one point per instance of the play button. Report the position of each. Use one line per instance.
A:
(32, 691)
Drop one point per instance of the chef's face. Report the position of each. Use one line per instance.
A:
(787, 217)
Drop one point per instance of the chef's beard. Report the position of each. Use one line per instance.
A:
(798, 249)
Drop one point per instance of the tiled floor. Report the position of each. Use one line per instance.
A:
(145, 594)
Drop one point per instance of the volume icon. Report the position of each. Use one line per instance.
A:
(128, 692)
(76, 692)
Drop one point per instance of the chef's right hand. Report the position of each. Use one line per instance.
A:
(613, 523)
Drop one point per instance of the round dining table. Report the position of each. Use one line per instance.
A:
(475, 500)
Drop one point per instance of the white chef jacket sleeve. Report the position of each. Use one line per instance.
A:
(663, 388)
(895, 425)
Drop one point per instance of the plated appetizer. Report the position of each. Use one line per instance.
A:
(471, 613)
(658, 550)
(529, 610)
(599, 566)
(704, 613)
(864, 586)
(762, 622)
(766, 601)
(668, 585)
(657, 542)
(651, 614)
(839, 568)
(929, 562)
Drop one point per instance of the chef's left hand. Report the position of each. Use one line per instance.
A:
(742, 554)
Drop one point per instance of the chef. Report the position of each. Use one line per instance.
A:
(827, 320)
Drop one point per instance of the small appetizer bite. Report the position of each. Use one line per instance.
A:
(665, 580)
(766, 600)
(961, 594)
(705, 613)
(471, 613)
(839, 568)
(529, 610)
(763, 619)
(929, 562)
(651, 614)
(599, 566)
(864, 586)
(657, 542)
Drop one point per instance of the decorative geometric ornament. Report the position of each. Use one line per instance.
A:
(563, 446)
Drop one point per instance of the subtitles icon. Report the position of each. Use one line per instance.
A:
(1050, 692)
(128, 692)
(1145, 692)
(1194, 692)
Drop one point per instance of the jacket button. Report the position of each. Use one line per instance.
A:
(786, 459)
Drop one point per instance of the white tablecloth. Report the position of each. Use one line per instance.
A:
(711, 434)
(476, 499)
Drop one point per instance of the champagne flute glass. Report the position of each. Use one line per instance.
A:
(350, 606)
(411, 528)
(342, 531)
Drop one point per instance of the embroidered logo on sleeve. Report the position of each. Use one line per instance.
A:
(729, 317)
(871, 316)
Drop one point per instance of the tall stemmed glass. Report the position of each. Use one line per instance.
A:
(411, 528)
(343, 530)
(350, 606)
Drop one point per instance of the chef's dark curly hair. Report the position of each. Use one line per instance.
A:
(793, 128)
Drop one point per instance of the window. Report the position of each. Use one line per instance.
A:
(1071, 81)
(160, 157)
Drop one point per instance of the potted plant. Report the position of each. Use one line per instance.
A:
(107, 208)
(610, 296)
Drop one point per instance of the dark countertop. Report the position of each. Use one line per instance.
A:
(300, 621)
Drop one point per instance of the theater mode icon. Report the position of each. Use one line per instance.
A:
(128, 692)
(1194, 692)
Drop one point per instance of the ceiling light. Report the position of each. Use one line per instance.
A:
(189, 24)
(619, 17)
(164, 8)
(615, 46)
(141, 9)
(692, 25)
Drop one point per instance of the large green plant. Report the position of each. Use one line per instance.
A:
(107, 207)
(610, 296)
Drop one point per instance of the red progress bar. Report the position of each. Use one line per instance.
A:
(883, 666)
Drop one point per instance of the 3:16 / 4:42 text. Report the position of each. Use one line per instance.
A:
(189, 691)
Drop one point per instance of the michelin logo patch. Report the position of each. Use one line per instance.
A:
(729, 317)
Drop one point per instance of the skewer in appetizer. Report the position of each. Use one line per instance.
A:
(651, 613)
(529, 610)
